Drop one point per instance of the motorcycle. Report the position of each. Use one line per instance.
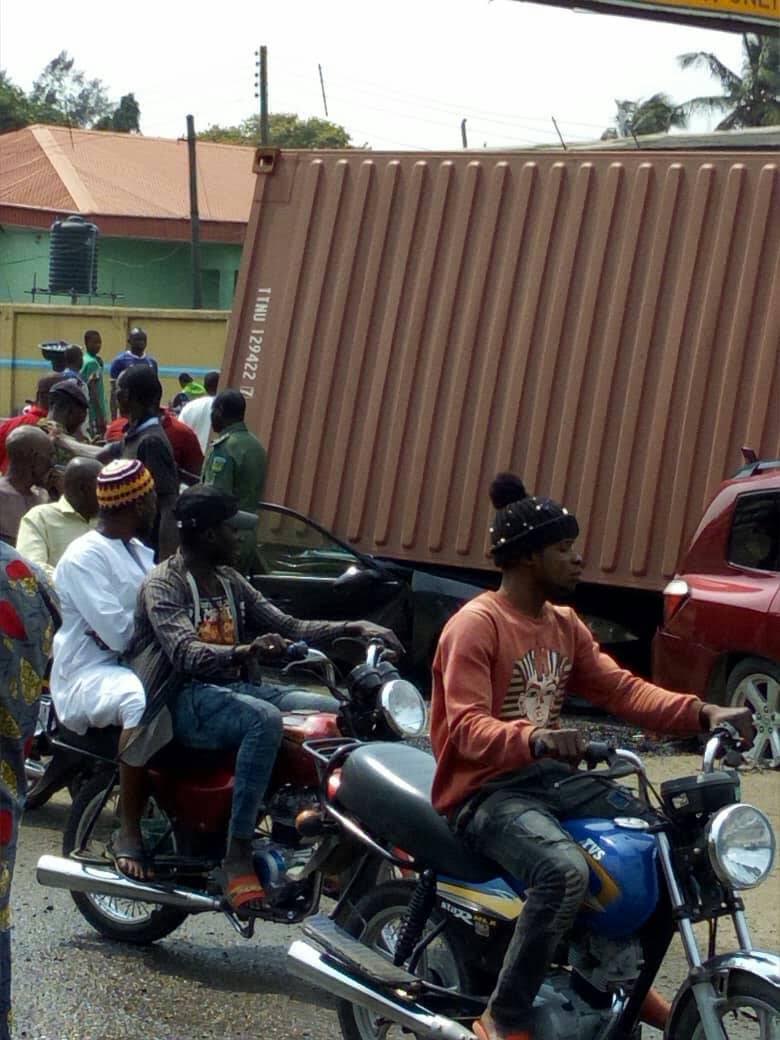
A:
(185, 820)
(49, 766)
(421, 954)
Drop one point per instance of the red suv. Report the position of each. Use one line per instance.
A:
(720, 636)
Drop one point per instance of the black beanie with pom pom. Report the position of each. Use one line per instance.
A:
(524, 524)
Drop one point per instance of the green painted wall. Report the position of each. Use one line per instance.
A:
(146, 273)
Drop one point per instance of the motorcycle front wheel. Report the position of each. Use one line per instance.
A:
(751, 1011)
(377, 920)
(124, 920)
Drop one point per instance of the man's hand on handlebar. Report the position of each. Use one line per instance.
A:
(368, 630)
(568, 745)
(270, 648)
(712, 716)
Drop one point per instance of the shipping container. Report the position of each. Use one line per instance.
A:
(605, 324)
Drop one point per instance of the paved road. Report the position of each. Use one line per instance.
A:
(204, 982)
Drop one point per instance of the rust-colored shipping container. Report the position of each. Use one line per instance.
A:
(606, 324)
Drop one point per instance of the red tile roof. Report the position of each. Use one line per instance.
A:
(129, 184)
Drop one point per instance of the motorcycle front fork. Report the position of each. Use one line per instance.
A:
(707, 1000)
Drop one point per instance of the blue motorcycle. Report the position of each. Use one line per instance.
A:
(420, 953)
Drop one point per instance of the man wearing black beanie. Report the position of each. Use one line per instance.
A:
(500, 675)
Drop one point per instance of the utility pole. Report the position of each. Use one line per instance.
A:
(261, 90)
(197, 287)
(322, 88)
(463, 136)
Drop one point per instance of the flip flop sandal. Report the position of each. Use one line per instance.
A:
(244, 893)
(134, 852)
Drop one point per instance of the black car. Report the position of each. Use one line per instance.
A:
(310, 573)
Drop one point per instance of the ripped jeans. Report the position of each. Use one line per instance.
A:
(246, 717)
(521, 833)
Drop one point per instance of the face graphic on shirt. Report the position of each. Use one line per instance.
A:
(537, 686)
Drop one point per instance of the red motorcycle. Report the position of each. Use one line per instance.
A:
(186, 817)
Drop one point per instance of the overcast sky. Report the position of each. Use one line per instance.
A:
(397, 75)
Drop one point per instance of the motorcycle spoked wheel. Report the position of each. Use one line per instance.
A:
(125, 920)
(751, 1012)
(443, 962)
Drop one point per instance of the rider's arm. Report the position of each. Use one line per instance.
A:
(90, 585)
(262, 616)
(600, 680)
(463, 687)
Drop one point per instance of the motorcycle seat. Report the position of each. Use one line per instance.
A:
(388, 788)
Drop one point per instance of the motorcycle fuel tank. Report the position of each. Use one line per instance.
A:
(623, 890)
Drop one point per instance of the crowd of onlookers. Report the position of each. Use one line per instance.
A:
(86, 465)
(82, 412)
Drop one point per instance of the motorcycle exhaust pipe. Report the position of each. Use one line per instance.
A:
(312, 966)
(58, 872)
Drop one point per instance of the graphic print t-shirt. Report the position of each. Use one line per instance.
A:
(216, 622)
(536, 688)
(499, 674)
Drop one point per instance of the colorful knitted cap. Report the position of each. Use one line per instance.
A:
(122, 482)
(525, 523)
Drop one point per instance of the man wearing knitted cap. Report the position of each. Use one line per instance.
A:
(199, 626)
(97, 580)
(500, 675)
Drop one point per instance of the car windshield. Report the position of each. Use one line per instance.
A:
(288, 544)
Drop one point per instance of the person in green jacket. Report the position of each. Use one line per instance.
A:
(92, 374)
(236, 462)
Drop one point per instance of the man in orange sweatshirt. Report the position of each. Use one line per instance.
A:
(501, 671)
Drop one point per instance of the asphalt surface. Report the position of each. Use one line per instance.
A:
(205, 982)
(202, 983)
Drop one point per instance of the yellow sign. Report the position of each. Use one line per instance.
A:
(737, 15)
(763, 11)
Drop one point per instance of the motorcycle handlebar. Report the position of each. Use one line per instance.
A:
(595, 753)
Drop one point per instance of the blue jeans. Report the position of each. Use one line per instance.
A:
(247, 717)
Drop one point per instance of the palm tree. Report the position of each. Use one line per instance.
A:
(655, 115)
(752, 99)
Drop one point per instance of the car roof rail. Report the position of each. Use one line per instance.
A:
(755, 465)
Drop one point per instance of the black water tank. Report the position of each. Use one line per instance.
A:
(73, 257)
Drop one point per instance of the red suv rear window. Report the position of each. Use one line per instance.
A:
(755, 531)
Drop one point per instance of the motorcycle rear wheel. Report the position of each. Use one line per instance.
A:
(123, 920)
(751, 1012)
(444, 962)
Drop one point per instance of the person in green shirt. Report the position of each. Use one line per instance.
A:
(236, 462)
(92, 374)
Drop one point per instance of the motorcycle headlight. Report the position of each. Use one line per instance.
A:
(741, 845)
(403, 708)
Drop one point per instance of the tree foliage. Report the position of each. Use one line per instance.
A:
(749, 99)
(285, 130)
(125, 117)
(655, 115)
(62, 94)
(65, 90)
(16, 110)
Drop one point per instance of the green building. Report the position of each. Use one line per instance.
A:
(136, 190)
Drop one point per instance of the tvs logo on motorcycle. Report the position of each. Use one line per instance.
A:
(537, 686)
